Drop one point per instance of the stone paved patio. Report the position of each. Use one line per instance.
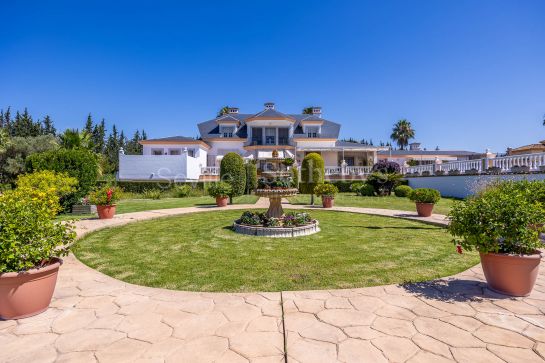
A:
(96, 318)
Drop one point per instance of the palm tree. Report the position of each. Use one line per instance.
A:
(223, 111)
(74, 139)
(307, 111)
(401, 133)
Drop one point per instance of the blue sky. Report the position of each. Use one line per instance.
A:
(467, 74)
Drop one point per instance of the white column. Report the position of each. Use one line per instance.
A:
(276, 138)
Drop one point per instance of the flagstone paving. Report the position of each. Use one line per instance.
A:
(96, 318)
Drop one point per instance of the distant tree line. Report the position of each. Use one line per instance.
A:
(21, 135)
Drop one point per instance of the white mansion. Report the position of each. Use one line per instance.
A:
(254, 137)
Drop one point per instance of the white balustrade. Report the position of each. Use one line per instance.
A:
(333, 170)
(358, 170)
(210, 170)
(461, 165)
(533, 161)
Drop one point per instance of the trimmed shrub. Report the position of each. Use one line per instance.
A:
(383, 183)
(425, 195)
(366, 190)
(426, 173)
(402, 191)
(506, 217)
(221, 189)
(355, 187)
(29, 235)
(454, 172)
(312, 173)
(76, 163)
(251, 177)
(326, 190)
(294, 177)
(344, 186)
(232, 171)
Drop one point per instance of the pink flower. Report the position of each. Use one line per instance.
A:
(459, 249)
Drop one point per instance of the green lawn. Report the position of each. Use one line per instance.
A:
(138, 205)
(200, 252)
(391, 202)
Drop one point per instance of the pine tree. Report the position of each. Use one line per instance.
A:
(48, 128)
(112, 151)
(144, 135)
(98, 136)
(89, 125)
(25, 126)
(7, 121)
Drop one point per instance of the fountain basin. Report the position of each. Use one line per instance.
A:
(277, 232)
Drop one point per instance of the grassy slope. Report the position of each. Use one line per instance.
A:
(200, 252)
(392, 202)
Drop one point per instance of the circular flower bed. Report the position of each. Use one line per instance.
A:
(291, 224)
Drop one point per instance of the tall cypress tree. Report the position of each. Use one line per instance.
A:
(98, 137)
(48, 128)
(112, 151)
(89, 125)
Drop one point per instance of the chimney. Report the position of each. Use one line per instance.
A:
(415, 146)
(269, 106)
(317, 111)
(233, 109)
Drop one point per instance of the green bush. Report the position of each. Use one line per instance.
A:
(106, 195)
(77, 163)
(383, 183)
(354, 187)
(59, 183)
(151, 194)
(183, 191)
(251, 177)
(312, 173)
(425, 195)
(232, 171)
(326, 190)
(29, 235)
(220, 189)
(366, 190)
(343, 185)
(294, 177)
(402, 191)
(506, 218)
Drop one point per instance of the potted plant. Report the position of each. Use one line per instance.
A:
(31, 244)
(503, 224)
(425, 199)
(105, 199)
(327, 192)
(221, 192)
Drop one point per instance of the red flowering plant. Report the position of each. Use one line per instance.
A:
(107, 195)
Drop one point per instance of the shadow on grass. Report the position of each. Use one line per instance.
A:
(389, 227)
(453, 290)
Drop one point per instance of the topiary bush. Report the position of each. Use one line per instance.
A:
(402, 191)
(29, 235)
(251, 177)
(233, 172)
(506, 217)
(425, 195)
(312, 174)
(77, 163)
(294, 177)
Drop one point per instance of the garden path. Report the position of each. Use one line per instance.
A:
(97, 318)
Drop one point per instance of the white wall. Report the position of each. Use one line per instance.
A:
(159, 167)
(315, 143)
(462, 186)
(199, 151)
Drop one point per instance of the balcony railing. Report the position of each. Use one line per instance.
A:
(210, 170)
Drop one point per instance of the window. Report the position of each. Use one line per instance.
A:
(283, 136)
(312, 131)
(257, 136)
(191, 152)
(156, 151)
(227, 131)
(270, 136)
(174, 151)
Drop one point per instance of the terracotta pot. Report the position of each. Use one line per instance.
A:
(327, 202)
(424, 209)
(106, 211)
(23, 294)
(513, 275)
(222, 201)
